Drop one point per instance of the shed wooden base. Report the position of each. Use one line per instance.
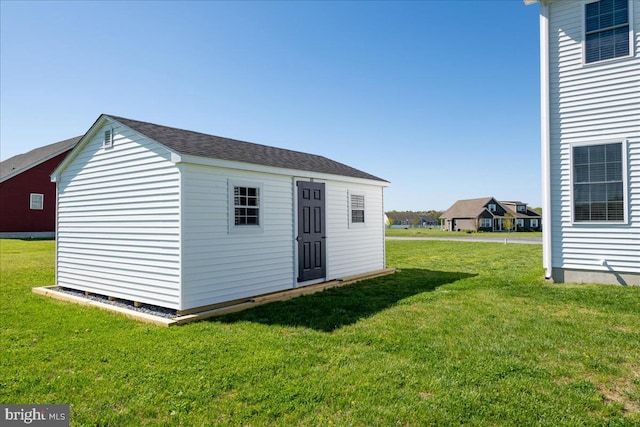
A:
(207, 312)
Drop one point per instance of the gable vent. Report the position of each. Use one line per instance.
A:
(108, 138)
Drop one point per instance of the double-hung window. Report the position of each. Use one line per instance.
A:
(606, 30)
(357, 208)
(598, 183)
(486, 222)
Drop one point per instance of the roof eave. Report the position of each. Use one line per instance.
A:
(254, 167)
(100, 121)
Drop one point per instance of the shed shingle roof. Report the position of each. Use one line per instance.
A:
(199, 144)
(20, 163)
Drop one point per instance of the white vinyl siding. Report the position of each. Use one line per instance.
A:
(588, 104)
(119, 221)
(221, 266)
(353, 250)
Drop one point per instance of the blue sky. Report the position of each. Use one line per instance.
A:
(441, 98)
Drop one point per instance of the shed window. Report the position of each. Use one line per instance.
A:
(246, 205)
(598, 187)
(606, 30)
(357, 208)
(36, 202)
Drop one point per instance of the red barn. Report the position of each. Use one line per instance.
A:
(27, 195)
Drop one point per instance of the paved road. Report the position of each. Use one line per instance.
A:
(507, 240)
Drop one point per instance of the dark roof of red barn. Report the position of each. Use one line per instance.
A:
(22, 162)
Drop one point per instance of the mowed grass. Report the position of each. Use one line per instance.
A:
(467, 333)
(437, 232)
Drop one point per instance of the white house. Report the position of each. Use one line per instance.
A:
(590, 89)
(185, 220)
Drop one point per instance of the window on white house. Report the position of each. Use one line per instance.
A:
(534, 223)
(357, 208)
(606, 30)
(491, 207)
(485, 222)
(246, 206)
(36, 201)
(598, 187)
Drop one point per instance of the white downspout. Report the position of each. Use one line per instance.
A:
(545, 134)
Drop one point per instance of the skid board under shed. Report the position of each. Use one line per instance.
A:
(209, 311)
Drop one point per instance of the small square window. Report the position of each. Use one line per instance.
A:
(245, 206)
(36, 202)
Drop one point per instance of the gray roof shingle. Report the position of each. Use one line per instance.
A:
(199, 144)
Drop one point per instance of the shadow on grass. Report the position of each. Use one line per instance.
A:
(334, 308)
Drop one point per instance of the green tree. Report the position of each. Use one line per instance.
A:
(508, 222)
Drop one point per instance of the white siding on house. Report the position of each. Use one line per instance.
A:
(354, 248)
(118, 224)
(219, 265)
(598, 102)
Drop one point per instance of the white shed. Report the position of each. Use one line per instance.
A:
(185, 220)
(590, 87)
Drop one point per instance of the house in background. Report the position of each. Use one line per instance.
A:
(590, 88)
(399, 219)
(27, 195)
(488, 214)
(187, 221)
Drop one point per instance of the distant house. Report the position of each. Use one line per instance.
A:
(411, 219)
(590, 89)
(187, 221)
(27, 195)
(488, 214)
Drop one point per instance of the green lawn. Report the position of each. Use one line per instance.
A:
(467, 333)
(436, 232)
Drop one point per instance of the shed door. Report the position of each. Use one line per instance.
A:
(311, 231)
